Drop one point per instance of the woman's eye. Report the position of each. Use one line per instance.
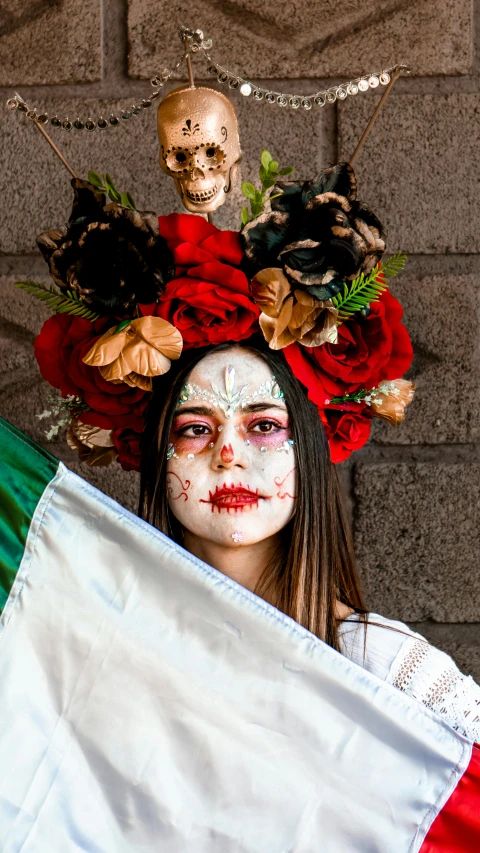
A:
(266, 426)
(194, 430)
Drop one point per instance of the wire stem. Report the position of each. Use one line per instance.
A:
(52, 145)
(398, 70)
(191, 81)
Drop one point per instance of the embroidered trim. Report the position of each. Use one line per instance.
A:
(431, 676)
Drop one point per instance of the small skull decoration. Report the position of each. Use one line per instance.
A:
(199, 146)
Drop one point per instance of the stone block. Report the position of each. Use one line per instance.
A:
(417, 169)
(19, 308)
(25, 396)
(122, 486)
(38, 196)
(441, 314)
(300, 39)
(50, 42)
(461, 642)
(417, 539)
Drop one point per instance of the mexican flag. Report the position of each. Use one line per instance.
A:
(150, 703)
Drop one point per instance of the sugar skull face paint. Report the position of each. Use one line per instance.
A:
(233, 446)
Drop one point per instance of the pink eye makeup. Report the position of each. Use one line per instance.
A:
(192, 434)
(267, 431)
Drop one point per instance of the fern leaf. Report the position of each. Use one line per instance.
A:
(394, 264)
(365, 289)
(62, 303)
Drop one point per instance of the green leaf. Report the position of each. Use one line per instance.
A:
(111, 190)
(130, 198)
(257, 209)
(61, 303)
(115, 195)
(248, 189)
(258, 197)
(122, 325)
(394, 264)
(244, 215)
(269, 182)
(95, 179)
(358, 293)
(126, 200)
(263, 174)
(277, 195)
(287, 170)
(108, 181)
(266, 159)
(273, 166)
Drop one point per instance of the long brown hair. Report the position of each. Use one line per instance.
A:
(314, 566)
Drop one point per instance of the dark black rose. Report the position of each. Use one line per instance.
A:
(317, 232)
(110, 255)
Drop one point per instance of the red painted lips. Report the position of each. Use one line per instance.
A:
(233, 497)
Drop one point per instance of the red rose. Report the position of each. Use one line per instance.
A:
(127, 443)
(59, 348)
(346, 432)
(367, 351)
(209, 301)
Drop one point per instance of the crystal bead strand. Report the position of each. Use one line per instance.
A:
(17, 103)
(197, 42)
(283, 99)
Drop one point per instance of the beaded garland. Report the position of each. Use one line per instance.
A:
(195, 42)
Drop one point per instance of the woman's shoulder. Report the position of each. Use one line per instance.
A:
(396, 654)
(373, 641)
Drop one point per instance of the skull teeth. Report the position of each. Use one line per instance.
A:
(202, 195)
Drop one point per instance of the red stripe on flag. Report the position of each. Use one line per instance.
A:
(456, 829)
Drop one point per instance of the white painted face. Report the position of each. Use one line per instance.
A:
(231, 474)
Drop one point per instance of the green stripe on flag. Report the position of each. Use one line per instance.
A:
(25, 471)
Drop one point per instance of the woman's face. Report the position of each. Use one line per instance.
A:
(231, 473)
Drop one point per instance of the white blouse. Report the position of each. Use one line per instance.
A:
(411, 664)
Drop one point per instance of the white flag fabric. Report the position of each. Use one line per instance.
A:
(149, 703)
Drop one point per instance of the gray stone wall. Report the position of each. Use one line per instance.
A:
(413, 491)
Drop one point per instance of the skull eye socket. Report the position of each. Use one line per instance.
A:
(178, 160)
(210, 156)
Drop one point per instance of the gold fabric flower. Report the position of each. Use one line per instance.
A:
(141, 349)
(93, 445)
(291, 315)
(390, 399)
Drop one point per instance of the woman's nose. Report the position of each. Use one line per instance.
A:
(229, 450)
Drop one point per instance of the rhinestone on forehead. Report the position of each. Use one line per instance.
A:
(230, 400)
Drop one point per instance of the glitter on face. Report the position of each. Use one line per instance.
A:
(230, 400)
(285, 446)
(211, 445)
(237, 536)
(247, 441)
(263, 450)
(171, 452)
(190, 456)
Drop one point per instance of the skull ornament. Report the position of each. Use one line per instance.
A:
(199, 146)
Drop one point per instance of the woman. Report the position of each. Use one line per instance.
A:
(268, 353)
(235, 467)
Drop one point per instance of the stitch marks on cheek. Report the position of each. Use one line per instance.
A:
(227, 454)
(283, 490)
(177, 490)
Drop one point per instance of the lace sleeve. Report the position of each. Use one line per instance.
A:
(431, 676)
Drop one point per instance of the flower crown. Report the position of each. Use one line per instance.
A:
(133, 290)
